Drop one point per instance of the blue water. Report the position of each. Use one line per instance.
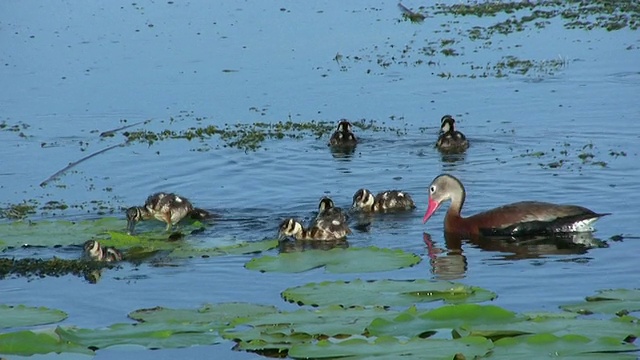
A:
(73, 70)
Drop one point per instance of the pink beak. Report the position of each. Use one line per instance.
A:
(433, 206)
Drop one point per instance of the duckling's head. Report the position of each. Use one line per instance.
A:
(92, 249)
(325, 204)
(362, 198)
(447, 123)
(289, 227)
(344, 126)
(112, 255)
(135, 214)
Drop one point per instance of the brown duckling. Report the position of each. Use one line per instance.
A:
(95, 251)
(450, 140)
(390, 200)
(343, 136)
(321, 229)
(166, 207)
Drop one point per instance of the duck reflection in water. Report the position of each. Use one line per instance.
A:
(290, 245)
(452, 263)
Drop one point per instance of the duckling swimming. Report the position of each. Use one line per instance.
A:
(166, 207)
(343, 136)
(390, 200)
(328, 210)
(450, 140)
(95, 251)
(321, 229)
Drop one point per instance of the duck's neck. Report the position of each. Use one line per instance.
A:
(457, 201)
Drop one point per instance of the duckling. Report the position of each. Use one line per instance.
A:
(450, 140)
(390, 200)
(321, 229)
(95, 251)
(167, 207)
(328, 210)
(343, 136)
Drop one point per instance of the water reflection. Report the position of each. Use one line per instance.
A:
(451, 263)
(291, 245)
(450, 161)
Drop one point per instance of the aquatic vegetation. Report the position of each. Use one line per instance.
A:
(20, 316)
(31, 267)
(336, 260)
(458, 331)
(250, 137)
(384, 293)
(571, 157)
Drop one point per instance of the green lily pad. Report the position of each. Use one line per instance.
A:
(393, 348)
(306, 324)
(619, 302)
(59, 232)
(565, 347)
(236, 249)
(443, 319)
(28, 343)
(384, 293)
(20, 315)
(589, 328)
(151, 335)
(222, 314)
(336, 260)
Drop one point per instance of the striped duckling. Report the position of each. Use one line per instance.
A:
(166, 207)
(95, 251)
(451, 140)
(329, 224)
(390, 200)
(343, 136)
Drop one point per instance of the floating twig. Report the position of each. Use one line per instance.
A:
(71, 165)
(114, 131)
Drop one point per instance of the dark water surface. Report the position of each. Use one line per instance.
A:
(72, 70)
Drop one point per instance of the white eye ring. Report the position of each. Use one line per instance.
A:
(432, 189)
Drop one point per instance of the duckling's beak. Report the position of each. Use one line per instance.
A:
(131, 224)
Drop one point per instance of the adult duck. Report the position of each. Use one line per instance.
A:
(521, 218)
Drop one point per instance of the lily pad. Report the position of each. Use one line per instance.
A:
(565, 347)
(619, 302)
(306, 324)
(336, 260)
(59, 232)
(443, 319)
(384, 293)
(28, 343)
(236, 249)
(151, 335)
(392, 348)
(21, 315)
(223, 314)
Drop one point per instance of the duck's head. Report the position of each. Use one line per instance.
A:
(447, 123)
(344, 126)
(92, 249)
(112, 255)
(444, 187)
(289, 227)
(325, 204)
(134, 215)
(362, 198)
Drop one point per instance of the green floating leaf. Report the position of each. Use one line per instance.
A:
(280, 330)
(151, 335)
(619, 302)
(565, 347)
(222, 314)
(336, 260)
(589, 328)
(236, 249)
(17, 316)
(384, 293)
(443, 319)
(392, 348)
(28, 343)
(59, 232)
